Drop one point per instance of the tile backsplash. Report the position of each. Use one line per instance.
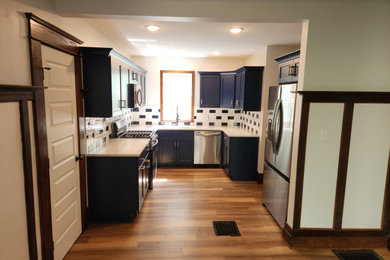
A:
(150, 115)
(98, 130)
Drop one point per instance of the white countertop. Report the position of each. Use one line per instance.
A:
(133, 147)
(121, 147)
(231, 131)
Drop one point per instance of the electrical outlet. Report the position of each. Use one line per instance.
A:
(323, 134)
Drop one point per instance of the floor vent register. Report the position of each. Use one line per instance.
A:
(226, 228)
(357, 255)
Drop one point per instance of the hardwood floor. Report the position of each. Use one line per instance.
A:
(175, 222)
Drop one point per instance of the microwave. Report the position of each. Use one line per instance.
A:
(135, 97)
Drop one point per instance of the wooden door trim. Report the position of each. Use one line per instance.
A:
(23, 94)
(41, 33)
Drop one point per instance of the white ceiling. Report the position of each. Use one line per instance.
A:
(198, 39)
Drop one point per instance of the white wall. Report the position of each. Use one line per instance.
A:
(347, 45)
(13, 220)
(155, 64)
(14, 52)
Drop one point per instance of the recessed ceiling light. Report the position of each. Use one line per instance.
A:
(236, 30)
(216, 53)
(153, 28)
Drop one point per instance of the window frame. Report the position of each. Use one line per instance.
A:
(192, 97)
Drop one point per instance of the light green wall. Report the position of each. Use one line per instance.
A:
(348, 41)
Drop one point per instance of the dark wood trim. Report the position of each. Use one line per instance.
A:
(161, 93)
(386, 201)
(28, 179)
(301, 164)
(80, 126)
(344, 232)
(23, 94)
(332, 239)
(161, 96)
(43, 177)
(53, 28)
(345, 96)
(300, 236)
(19, 88)
(343, 165)
(51, 35)
(44, 33)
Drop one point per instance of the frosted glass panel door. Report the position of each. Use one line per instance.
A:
(321, 163)
(367, 166)
(177, 95)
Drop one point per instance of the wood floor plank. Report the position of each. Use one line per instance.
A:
(175, 222)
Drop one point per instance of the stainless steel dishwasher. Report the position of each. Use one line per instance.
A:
(207, 147)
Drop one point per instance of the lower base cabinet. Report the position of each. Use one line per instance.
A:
(240, 157)
(117, 187)
(175, 148)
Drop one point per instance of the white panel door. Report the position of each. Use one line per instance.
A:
(321, 164)
(61, 120)
(367, 166)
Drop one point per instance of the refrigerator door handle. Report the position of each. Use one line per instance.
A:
(278, 138)
(273, 126)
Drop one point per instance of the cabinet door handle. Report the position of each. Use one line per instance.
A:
(201, 101)
(231, 102)
(178, 144)
(122, 103)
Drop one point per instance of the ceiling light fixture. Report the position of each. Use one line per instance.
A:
(216, 53)
(153, 28)
(236, 30)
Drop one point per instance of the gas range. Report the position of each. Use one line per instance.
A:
(120, 130)
(138, 134)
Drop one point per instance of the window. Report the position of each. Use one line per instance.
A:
(177, 95)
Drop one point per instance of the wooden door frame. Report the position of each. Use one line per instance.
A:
(41, 33)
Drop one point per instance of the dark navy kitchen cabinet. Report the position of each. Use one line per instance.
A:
(249, 81)
(106, 87)
(228, 82)
(239, 90)
(176, 148)
(240, 157)
(210, 85)
(289, 67)
(117, 187)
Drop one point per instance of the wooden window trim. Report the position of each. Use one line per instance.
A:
(161, 94)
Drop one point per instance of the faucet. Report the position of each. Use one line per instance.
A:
(177, 116)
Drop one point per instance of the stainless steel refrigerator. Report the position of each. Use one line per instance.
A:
(281, 106)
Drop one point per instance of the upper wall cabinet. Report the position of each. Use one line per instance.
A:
(249, 82)
(289, 67)
(228, 82)
(109, 83)
(210, 85)
(239, 89)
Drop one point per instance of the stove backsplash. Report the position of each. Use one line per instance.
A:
(150, 115)
(98, 130)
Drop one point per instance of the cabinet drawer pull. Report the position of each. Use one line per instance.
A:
(122, 103)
